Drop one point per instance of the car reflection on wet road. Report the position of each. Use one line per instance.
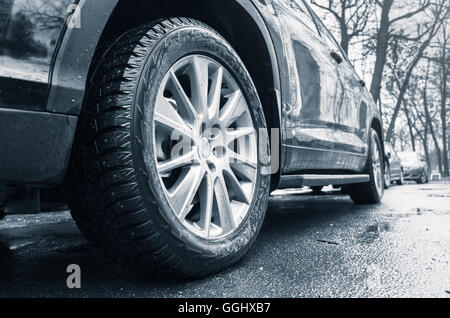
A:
(310, 246)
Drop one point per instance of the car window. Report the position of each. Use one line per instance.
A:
(302, 11)
(329, 37)
(326, 34)
(409, 157)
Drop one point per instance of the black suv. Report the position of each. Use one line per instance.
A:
(167, 123)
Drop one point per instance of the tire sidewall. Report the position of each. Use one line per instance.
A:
(374, 136)
(387, 175)
(423, 177)
(182, 42)
(402, 178)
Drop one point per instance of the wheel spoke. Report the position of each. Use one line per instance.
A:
(183, 192)
(224, 206)
(199, 84)
(235, 186)
(206, 205)
(244, 170)
(215, 93)
(169, 165)
(181, 97)
(208, 185)
(233, 135)
(233, 109)
(166, 115)
(377, 166)
(237, 158)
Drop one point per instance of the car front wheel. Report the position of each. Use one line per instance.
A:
(166, 174)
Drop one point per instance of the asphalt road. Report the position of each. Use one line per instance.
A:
(310, 246)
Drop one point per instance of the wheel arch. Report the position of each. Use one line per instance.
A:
(378, 127)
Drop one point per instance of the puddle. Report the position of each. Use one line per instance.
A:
(21, 245)
(379, 227)
(328, 242)
(372, 232)
(439, 195)
(408, 213)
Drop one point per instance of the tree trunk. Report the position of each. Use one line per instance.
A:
(444, 135)
(345, 37)
(401, 96)
(444, 62)
(410, 127)
(405, 84)
(381, 51)
(433, 133)
(427, 150)
(345, 43)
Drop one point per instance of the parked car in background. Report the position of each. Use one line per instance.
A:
(393, 170)
(414, 167)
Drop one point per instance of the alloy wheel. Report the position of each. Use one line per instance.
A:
(377, 166)
(205, 146)
(387, 175)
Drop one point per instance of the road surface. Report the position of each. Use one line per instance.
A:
(310, 246)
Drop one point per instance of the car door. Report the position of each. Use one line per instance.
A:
(397, 164)
(30, 31)
(394, 161)
(313, 75)
(351, 110)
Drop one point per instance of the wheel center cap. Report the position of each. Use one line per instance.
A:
(205, 148)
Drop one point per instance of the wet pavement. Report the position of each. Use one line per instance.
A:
(310, 246)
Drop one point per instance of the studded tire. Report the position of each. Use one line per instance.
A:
(111, 190)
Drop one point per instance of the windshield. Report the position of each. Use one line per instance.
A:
(409, 157)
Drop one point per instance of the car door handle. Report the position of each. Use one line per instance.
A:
(337, 57)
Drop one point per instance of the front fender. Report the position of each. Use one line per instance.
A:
(74, 56)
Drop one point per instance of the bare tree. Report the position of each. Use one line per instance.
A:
(440, 57)
(443, 62)
(422, 119)
(426, 32)
(383, 34)
(351, 15)
(393, 86)
(430, 113)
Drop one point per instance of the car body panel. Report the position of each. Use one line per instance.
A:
(394, 161)
(323, 130)
(31, 31)
(35, 147)
(74, 58)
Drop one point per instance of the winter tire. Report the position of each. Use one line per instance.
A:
(168, 172)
